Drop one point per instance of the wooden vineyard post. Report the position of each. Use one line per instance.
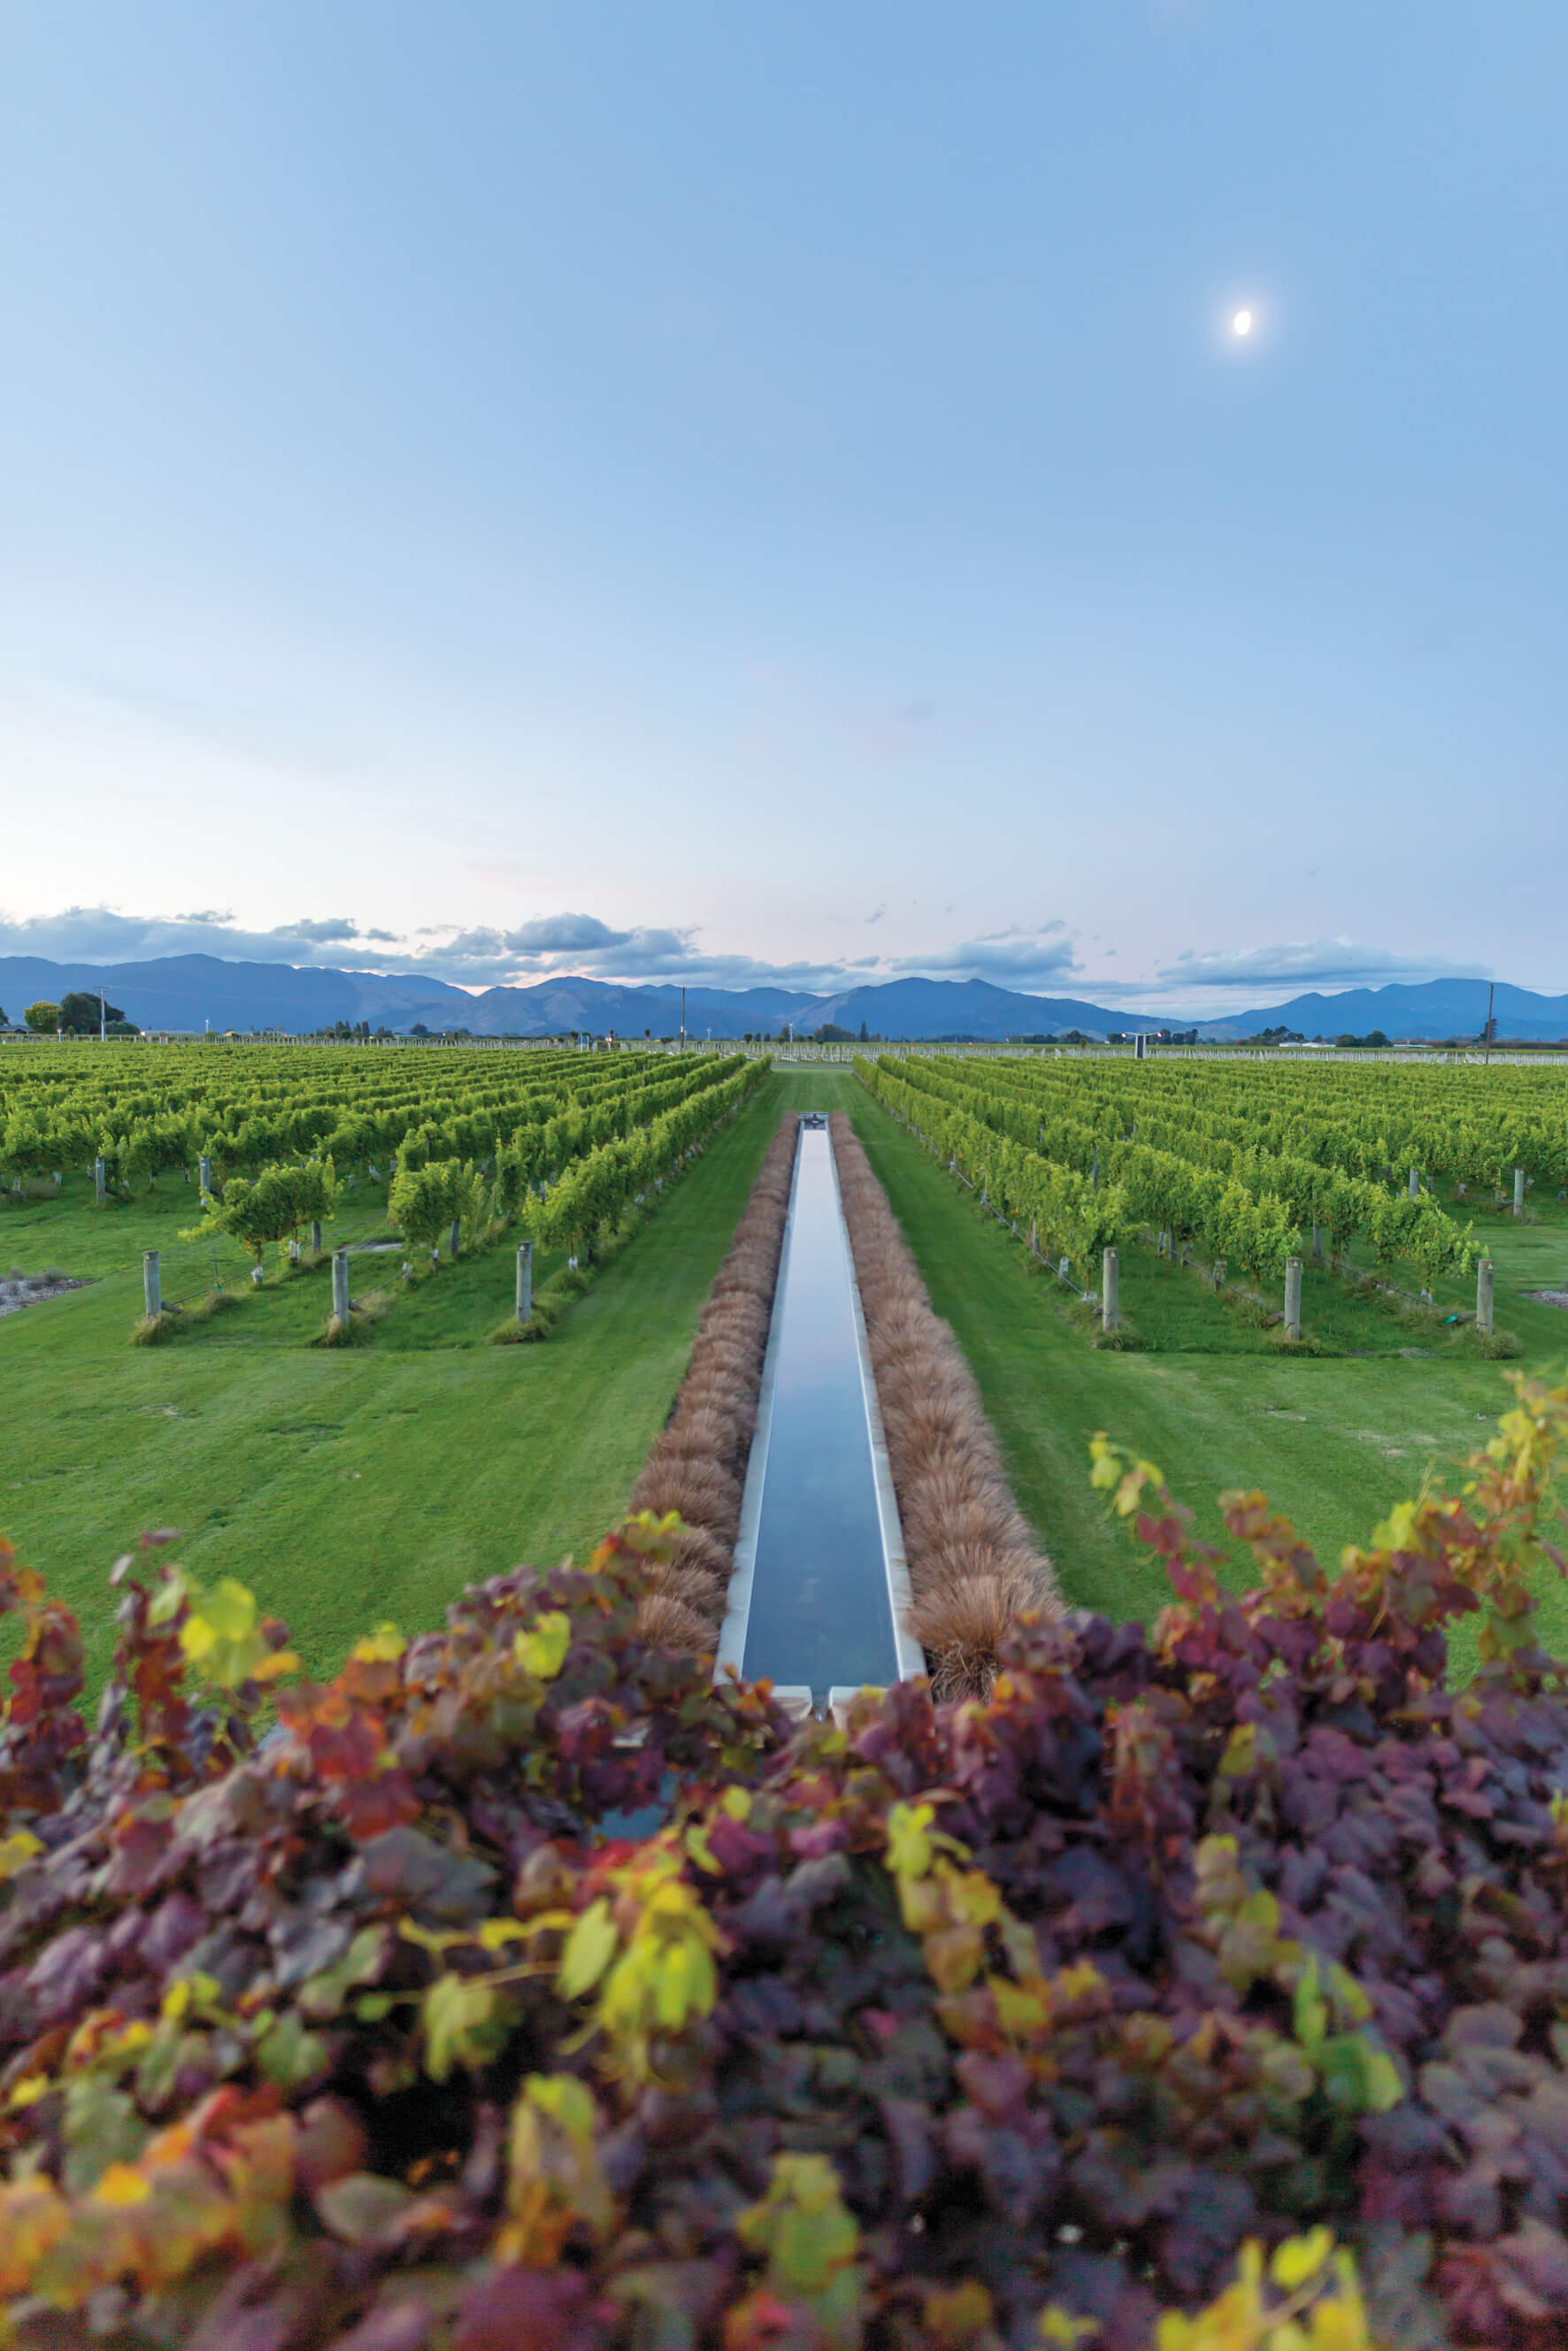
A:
(316, 1235)
(152, 1288)
(1317, 1243)
(100, 1184)
(1414, 1183)
(340, 1286)
(1519, 1191)
(1292, 1298)
(1110, 1292)
(1484, 1298)
(525, 1280)
(204, 1171)
(454, 1240)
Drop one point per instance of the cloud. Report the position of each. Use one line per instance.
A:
(102, 935)
(565, 934)
(332, 932)
(1308, 963)
(1018, 959)
(549, 946)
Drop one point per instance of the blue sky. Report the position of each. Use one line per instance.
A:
(732, 492)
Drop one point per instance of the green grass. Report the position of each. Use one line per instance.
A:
(1333, 1440)
(345, 1487)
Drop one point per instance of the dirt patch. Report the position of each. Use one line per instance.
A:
(1549, 1297)
(19, 1290)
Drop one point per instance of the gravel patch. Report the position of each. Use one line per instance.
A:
(1549, 1297)
(19, 1290)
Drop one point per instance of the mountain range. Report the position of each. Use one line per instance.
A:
(191, 992)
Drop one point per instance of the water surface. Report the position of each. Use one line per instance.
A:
(819, 1608)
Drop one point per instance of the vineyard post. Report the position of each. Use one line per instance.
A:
(1414, 1183)
(1317, 1241)
(525, 1280)
(205, 1170)
(99, 1186)
(152, 1290)
(1484, 1298)
(316, 1235)
(1519, 1191)
(1292, 1298)
(454, 1238)
(340, 1286)
(1110, 1310)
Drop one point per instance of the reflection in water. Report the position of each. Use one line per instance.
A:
(819, 1606)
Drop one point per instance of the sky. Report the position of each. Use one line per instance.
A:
(773, 494)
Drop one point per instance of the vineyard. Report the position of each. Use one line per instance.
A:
(556, 1146)
(1245, 1164)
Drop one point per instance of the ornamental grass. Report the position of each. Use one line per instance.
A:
(973, 1563)
(698, 1466)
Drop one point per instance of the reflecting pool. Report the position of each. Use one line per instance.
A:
(820, 1611)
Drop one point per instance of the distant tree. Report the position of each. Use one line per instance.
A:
(863, 1039)
(419, 1029)
(79, 1013)
(121, 1028)
(41, 1018)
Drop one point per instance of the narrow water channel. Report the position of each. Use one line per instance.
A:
(820, 1608)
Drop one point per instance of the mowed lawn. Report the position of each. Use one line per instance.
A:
(1333, 1441)
(351, 1487)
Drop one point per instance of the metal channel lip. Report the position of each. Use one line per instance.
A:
(738, 1613)
(909, 1655)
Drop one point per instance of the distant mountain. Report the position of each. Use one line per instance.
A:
(187, 991)
(968, 1008)
(1435, 1007)
(190, 991)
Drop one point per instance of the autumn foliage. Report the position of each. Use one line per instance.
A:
(1203, 1988)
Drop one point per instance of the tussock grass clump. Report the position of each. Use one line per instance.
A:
(698, 1466)
(974, 1565)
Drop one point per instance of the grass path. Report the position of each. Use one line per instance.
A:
(1333, 1441)
(345, 1488)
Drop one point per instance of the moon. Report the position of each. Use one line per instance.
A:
(1242, 324)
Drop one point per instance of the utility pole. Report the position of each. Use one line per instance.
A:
(683, 1020)
(103, 1017)
(1491, 991)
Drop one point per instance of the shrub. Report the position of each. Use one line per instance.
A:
(1185, 1956)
